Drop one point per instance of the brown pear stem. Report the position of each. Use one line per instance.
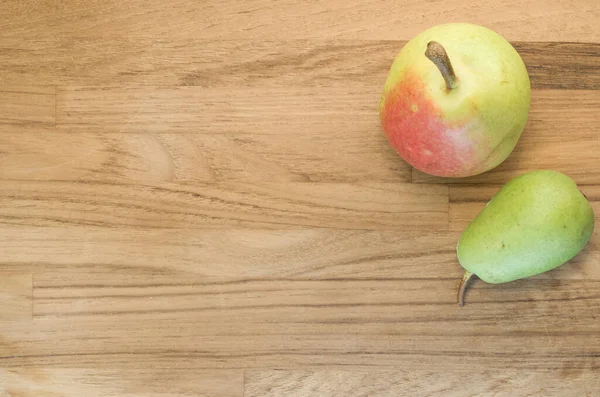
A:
(437, 54)
(463, 287)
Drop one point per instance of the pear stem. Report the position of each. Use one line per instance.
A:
(437, 54)
(463, 287)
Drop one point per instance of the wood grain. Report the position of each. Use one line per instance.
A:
(126, 257)
(536, 20)
(74, 382)
(303, 324)
(419, 383)
(208, 134)
(197, 110)
(27, 107)
(196, 199)
(247, 205)
(195, 134)
(16, 294)
(277, 63)
(292, 156)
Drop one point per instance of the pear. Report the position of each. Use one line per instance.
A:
(456, 100)
(533, 224)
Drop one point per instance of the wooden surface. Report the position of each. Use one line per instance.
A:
(196, 199)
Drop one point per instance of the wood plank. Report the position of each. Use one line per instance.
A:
(256, 301)
(561, 65)
(338, 156)
(27, 107)
(159, 61)
(131, 382)
(401, 324)
(467, 201)
(69, 253)
(136, 256)
(480, 382)
(214, 198)
(252, 136)
(268, 299)
(560, 135)
(246, 129)
(241, 137)
(350, 109)
(247, 205)
(535, 20)
(16, 294)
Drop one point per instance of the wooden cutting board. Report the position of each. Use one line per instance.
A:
(196, 199)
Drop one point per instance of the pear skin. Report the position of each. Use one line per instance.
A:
(456, 100)
(533, 224)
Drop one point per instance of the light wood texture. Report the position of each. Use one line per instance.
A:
(196, 199)
(539, 20)
(286, 134)
(148, 382)
(418, 383)
(16, 294)
(246, 62)
(27, 107)
(198, 110)
(134, 255)
(196, 134)
(165, 321)
(356, 154)
(200, 206)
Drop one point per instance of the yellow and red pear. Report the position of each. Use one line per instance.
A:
(456, 100)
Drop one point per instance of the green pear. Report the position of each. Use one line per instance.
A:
(533, 224)
(456, 100)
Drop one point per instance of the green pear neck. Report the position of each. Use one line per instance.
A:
(436, 53)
